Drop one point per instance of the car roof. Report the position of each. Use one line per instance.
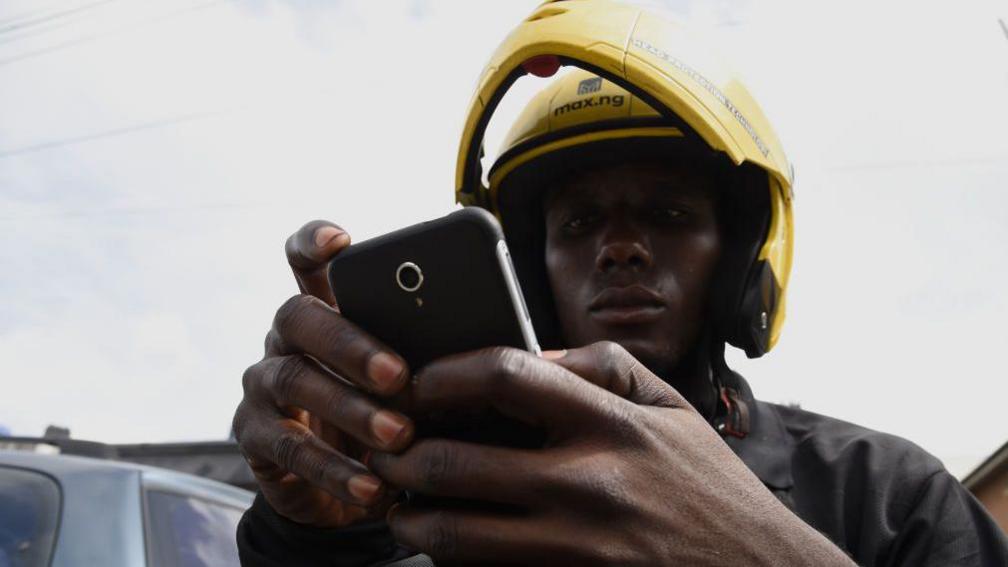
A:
(62, 467)
(103, 501)
(218, 460)
(58, 466)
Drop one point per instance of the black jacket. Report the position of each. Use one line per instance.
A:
(880, 498)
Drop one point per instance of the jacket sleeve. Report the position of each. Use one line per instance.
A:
(886, 501)
(266, 539)
(948, 526)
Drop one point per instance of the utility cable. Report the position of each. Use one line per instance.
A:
(125, 29)
(896, 164)
(32, 13)
(107, 134)
(13, 38)
(186, 208)
(50, 17)
(45, 28)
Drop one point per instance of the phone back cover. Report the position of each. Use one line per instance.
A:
(462, 304)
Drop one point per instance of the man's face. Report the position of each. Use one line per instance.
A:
(631, 251)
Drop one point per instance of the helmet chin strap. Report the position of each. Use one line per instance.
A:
(731, 413)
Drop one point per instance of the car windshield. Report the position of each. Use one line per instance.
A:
(29, 516)
(190, 532)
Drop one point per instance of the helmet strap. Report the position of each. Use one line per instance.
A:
(731, 416)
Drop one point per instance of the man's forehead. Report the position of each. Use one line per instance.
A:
(632, 180)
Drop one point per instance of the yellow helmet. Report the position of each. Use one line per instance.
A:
(645, 88)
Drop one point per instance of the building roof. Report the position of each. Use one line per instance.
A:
(993, 464)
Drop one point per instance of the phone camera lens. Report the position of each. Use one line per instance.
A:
(409, 277)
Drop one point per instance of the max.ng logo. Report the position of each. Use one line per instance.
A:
(614, 100)
(590, 85)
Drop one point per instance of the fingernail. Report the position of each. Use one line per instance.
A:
(387, 426)
(384, 369)
(554, 354)
(363, 487)
(330, 234)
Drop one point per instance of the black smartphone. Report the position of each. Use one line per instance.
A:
(436, 288)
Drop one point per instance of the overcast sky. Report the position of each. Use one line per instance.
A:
(155, 155)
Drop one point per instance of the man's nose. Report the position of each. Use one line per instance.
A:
(624, 251)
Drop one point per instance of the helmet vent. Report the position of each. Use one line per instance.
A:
(546, 12)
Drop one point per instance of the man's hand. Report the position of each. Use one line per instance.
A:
(315, 404)
(631, 473)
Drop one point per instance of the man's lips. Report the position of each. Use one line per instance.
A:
(628, 305)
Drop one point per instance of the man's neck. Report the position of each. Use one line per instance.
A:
(692, 378)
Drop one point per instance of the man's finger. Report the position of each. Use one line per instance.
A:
(479, 538)
(516, 383)
(306, 325)
(299, 381)
(308, 253)
(470, 471)
(272, 437)
(608, 365)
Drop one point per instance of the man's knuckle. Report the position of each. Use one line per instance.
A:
(285, 376)
(250, 379)
(247, 426)
(437, 463)
(613, 355)
(611, 350)
(339, 336)
(238, 423)
(616, 365)
(442, 537)
(273, 343)
(337, 398)
(290, 315)
(509, 365)
(326, 468)
(290, 449)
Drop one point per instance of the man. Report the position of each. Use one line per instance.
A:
(648, 211)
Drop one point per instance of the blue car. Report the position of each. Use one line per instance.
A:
(62, 510)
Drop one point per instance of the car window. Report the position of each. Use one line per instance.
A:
(190, 532)
(29, 516)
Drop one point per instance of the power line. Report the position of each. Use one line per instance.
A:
(107, 134)
(896, 164)
(125, 29)
(142, 211)
(50, 17)
(45, 27)
(32, 13)
(37, 32)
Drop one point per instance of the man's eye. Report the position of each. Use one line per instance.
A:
(667, 214)
(580, 222)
